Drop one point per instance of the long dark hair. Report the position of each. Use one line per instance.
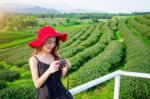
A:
(54, 52)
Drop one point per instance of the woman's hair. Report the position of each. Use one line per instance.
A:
(54, 52)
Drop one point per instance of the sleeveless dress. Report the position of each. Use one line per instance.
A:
(53, 87)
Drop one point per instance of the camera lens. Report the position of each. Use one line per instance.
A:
(62, 63)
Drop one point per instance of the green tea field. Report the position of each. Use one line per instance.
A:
(94, 50)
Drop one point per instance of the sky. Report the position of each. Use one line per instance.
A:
(122, 6)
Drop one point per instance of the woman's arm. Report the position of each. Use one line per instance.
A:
(38, 81)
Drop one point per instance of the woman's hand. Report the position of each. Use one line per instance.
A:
(65, 69)
(68, 63)
(54, 66)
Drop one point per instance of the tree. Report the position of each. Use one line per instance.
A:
(30, 22)
(68, 20)
(52, 16)
(95, 20)
(4, 20)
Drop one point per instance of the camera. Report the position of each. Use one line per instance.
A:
(62, 63)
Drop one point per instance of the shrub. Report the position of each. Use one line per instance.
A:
(8, 75)
(100, 65)
(142, 29)
(138, 60)
(18, 93)
(2, 84)
(1, 66)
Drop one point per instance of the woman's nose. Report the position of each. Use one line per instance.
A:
(53, 44)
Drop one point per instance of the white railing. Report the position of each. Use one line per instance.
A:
(117, 74)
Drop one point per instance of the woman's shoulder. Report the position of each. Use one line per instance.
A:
(33, 60)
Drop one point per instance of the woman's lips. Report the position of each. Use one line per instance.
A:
(49, 48)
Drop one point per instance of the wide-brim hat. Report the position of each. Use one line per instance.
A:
(44, 33)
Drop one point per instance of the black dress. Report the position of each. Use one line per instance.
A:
(53, 87)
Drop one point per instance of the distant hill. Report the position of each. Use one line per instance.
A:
(44, 9)
(19, 8)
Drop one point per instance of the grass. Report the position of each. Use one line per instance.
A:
(72, 27)
(20, 82)
(7, 37)
(16, 42)
(118, 37)
(24, 73)
(146, 41)
(25, 78)
(101, 92)
(59, 21)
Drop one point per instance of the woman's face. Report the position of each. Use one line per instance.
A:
(49, 44)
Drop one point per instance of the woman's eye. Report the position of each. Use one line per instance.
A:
(50, 42)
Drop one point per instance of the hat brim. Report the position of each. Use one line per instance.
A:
(38, 42)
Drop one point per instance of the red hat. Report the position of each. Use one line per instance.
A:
(45, 32)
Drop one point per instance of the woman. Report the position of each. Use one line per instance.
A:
(45, 65)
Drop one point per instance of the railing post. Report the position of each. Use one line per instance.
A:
(117, 87)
